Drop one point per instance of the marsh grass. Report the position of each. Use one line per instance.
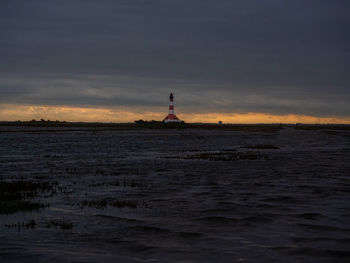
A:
(104, 203)
(59, 224)
(15, 195)
(120, 183)
(263, 147)
(12, 207)
(220, 156)
(29, 224)
(32, 224)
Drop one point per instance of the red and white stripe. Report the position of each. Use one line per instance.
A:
(171, 105)
(171, 116)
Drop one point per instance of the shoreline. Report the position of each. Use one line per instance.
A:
(51, 126)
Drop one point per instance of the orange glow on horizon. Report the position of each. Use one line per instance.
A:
(12, 112)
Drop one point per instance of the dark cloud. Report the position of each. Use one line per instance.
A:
(230, 56)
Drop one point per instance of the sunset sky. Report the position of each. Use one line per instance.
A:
(244, 61)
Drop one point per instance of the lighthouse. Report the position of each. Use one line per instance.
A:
(171, 116)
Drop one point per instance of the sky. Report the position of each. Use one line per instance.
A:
(242, 61)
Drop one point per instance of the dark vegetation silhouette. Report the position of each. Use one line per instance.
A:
(153, 124)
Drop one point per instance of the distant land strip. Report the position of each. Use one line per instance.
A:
(62, 126)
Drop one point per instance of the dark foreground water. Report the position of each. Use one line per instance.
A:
(175, 196)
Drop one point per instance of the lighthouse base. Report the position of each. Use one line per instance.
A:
(167, 121)
(171, 118)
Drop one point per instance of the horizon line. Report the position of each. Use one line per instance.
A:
(161, 122)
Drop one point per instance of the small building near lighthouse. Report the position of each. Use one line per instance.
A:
(171, 116)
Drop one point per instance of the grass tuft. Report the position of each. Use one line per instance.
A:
(15, 195)
(103, 203)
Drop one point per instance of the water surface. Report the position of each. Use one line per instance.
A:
(179, 196)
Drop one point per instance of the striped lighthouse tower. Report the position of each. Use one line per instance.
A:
(171, 116)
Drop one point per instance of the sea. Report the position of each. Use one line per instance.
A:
(174, 195)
